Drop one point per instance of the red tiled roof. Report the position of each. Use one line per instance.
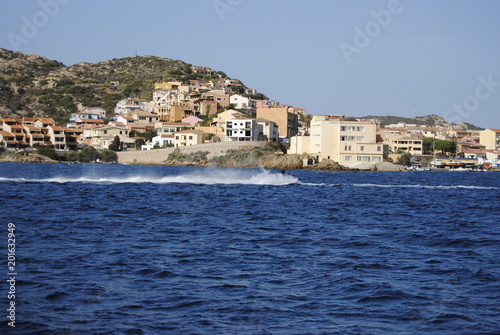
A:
(6, 133)
(91, 121)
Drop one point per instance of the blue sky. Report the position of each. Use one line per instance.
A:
(379, 57)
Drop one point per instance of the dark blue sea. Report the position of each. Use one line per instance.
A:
(119, 249)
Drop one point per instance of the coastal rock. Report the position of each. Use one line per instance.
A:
(30, 158)
(330, 165)
(389, 167)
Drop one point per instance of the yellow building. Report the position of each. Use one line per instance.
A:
(189, 137)
(490, 138)
(345, 142)
(97, 134)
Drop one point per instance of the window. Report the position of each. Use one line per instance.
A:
(376, 159)
(343, 138)
(360, 138)
(379, 148)
(348, 158)
(343, 128)
(363, 158)
(362, 148)
(361, 128)
(190, 137)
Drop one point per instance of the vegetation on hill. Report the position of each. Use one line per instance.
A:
(34, 86)
(427, 120)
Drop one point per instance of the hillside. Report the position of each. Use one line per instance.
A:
(32, 85)
(427, 120)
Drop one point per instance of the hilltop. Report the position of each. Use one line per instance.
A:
(35, 86)
(427, 120)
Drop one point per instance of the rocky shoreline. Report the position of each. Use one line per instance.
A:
(25, 158)
(251, 157)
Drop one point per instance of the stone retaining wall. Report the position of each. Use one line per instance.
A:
(158, 156)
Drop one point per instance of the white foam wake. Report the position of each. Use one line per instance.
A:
(208, 177)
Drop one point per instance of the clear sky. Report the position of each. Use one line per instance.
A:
(379, 57)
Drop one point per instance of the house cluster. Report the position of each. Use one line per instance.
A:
(191, 114)
(31, 132)
(197, 111)
(357, 141)
(180, 114)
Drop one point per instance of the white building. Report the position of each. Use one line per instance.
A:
(241, 130)
(88, 114)
(241, 102)
(131, 105)
(268, 130)
(162, 141)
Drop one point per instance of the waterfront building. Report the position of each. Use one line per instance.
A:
(345, 142)
(490, 138)
(283, 116)
(241, 130)
(268, 130)
(189, 137)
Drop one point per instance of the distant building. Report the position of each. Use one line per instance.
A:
(490, 138)
(283, 116)
(201, 69)
(345, 142)
(268, 130)
(131, 105)
(241, 130)
(186, 138)
(241, 102)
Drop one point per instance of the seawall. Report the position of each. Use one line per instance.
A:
(158, 156)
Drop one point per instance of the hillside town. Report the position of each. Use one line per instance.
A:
(198, 112)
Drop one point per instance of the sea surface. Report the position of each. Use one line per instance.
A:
(122, 249)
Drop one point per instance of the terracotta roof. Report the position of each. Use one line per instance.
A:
(475, 151)
(91, 121)
(46, 120)
(6, 133)
(179, 124)
(191, 131)
(8, 120)
(75, 130)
